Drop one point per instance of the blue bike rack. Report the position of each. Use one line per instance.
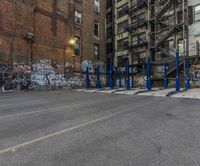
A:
(111, 83)
(148, 74)
(87, 78)
(165, 77)
(187, 73)
(120, 77)
(127, 74)
(177, 73)
(132, 78)
(98, 85)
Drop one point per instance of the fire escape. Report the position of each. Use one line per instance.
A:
(138, 43)
(166, 20)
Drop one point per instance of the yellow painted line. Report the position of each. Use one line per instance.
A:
(67, 130)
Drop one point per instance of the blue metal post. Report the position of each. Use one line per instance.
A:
(177, 72)
(111, 83)
(187, 73)
(120, 78)
(148, 74)
(165, 77)
(87, 78)
(132, 78)
(127, 74)
(98, 78)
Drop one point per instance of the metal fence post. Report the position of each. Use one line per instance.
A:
(177, 72)
(187, 73)
(120, 78)
(148, 74)
(87, 78)
(98, 85)
(127, 74)
(132, 77)
(111, 84)
(165, 77)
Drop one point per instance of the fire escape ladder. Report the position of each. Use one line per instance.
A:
(168, 34)
(172, 66)
(165, 37)
(164, 8)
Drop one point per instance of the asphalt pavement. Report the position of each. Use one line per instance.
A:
(65, 128)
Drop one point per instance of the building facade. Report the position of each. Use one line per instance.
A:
(110, 30)
(130, 32)
(194, 24)
(155, 29)
(34, 30)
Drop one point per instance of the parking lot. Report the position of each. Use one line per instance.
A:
(59, 128)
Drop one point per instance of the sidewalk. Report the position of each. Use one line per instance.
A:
(192, 93)
(159, 93)
(129, 92)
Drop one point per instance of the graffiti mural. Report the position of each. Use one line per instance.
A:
(6, 79)
(88, 64)
(92, 66)
(195, 75)
(44, 74)
(21, 68)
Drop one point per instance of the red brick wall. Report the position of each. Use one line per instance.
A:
(51, 32)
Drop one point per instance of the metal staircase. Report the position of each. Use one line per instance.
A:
(167, 34)
(164, 8)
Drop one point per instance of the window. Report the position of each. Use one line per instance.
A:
(96, 28)
(109, 32)
(96, 50)
(197, 13)
(119, 1)
(109, 48)
(109, 18)
(180, 17)
(121, 27)
(109, 3)
(140, 18)
(77, 46)
(122, 10)
(97, 6)
(122, 44)
(78, 17)
(139, 39)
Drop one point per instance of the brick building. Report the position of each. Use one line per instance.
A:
(33, 30)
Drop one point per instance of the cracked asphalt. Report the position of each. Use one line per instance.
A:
(65, 128)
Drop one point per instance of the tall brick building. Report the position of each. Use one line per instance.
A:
(33, 30)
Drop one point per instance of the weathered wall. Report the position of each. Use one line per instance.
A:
(51, 32)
